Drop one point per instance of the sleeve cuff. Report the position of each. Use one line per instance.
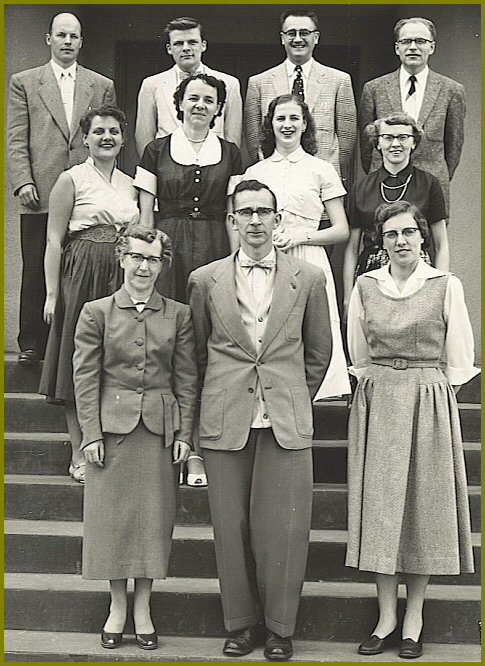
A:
(145, 180)
(459, 376)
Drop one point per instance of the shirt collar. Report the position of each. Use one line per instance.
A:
(421, 78)
(295, 156)
(399, 177)
(290, 68)
(182, 152)
(240, 254)
(58, 70)
(182, 75)
(423, 271)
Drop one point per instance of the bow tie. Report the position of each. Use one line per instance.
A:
(185, 75)
(262, 263)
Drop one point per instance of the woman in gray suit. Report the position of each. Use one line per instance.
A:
(135, 383)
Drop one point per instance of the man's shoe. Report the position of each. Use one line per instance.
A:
(241, 642)
(28, 356)
(410, 649)
(277, 648)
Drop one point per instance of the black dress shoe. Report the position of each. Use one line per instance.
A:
(147, 641)
(110, 640)
(277, 648)
(28, 356)
(241, 642)
(410, 649)
(374, 644)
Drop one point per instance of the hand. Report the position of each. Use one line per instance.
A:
(28, 195)
(94, 453)
(49, 307)
(284, 239)
(181, 451)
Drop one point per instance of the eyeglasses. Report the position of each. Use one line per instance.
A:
(419, 41)
(402, 138)
(262, 213)
(138, 259)
(293, 33)
(407, 232)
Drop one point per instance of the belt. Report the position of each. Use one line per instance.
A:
(192, 214)
(403, 363)
(98, 233)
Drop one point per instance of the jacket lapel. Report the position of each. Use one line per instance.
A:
(280, 80)
(315, 85)
(393, 91)
(167, 87)
(83, 96)
(431, 92)
(51, 96)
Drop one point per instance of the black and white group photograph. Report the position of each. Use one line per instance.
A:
(242, 332)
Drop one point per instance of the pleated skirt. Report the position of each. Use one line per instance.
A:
(129, 508)
(407, 489)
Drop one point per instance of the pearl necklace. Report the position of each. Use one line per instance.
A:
(196, 140)
(395, 187)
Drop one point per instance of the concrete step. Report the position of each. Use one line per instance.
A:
(49, 453)
(55, 547)
(60, 498)
(19, 378)
(64, 646)
(192, 607)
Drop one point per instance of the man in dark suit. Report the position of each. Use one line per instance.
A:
(435, 101)
(44, 138)
(327, 91)
(263, 344)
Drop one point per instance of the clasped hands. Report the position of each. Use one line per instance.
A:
(94, 452)
(284, 239)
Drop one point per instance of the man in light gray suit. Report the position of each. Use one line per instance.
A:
(435, 101)
(263, 344)
(44, 138)
(156, 114)
(327, 91)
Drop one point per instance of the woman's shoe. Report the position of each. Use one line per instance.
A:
(410, 649)
(196, 479)
(77, 472)
(374, 644)
(110, 640)
(147, 641)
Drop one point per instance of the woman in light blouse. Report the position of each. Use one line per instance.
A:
(411, 346)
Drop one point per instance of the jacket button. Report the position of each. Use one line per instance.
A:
(140, 317)
(250, 390)
(260, 319)
(139, 341)
(140, 366)
(139, 390)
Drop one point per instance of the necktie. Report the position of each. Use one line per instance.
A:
(262, 263)
(67, 95)
(297, 89)
(185, 75)
(412, 86)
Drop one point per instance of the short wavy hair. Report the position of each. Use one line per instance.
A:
(252, 186)
(267, 140)
(182, 23)
(299, 13)
(372, 130)
(209, 80)
(386, 211)
(147, 234)
(104, 111)
(415, 19)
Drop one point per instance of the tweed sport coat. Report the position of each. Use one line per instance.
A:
(130, 366)
(330, 98)
(291, 363)
(40, 144)
(442, 118)
(156, 115)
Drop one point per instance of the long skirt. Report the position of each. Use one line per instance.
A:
(129, 508)
(407, 488)
(89, 271)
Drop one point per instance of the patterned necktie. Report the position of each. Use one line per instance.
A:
(412, 86)
(297, 89)
(262, 263)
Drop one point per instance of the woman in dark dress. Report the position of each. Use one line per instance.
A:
(395, 136)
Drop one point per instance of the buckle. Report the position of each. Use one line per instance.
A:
(399, 363)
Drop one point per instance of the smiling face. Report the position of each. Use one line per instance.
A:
(299, 49)
(255, 233)
(413, 57)
(288, 126)
(403, 251)
(395, 153)
(199, 104)
(104, 138)
(139, 279)
(186, 48)
(65, 39)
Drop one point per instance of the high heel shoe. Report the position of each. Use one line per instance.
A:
(198, 479)
(110, 640)
(147, 641)
(374, 644)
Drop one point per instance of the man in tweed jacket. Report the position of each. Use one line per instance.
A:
(327, 91)
(437, 103)
(44, 138)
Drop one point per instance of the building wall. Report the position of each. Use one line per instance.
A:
(365, 29)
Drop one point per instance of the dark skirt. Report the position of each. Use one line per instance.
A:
(196, 242)
(89, 270)
(129, 508)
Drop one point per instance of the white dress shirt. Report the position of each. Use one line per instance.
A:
(66, 80)
(305, 72)
(412, 105)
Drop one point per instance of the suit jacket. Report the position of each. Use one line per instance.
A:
(130, 366)
(40, 144)
(442, 118)
(331, 102)
(156, 115)
(290, 364)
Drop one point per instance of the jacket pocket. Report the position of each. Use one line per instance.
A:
(293, 326)
(212, 413)
(302, 410)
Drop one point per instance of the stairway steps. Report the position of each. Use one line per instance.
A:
(70, 646)
(49, 453)
(55, 547)
(192, 607)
